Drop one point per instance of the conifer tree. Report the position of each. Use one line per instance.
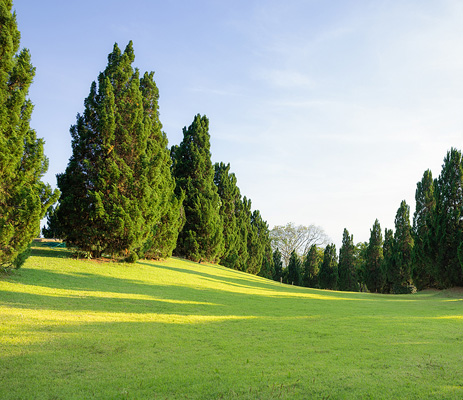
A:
(388, 265)
(202, 236)
(425, 269)
(348, 279)
(294, 269)
(229, 196)
(24, 198)
(449, 220)
(374, 259)
(277, 266)
(328, 275)
(400, 272)
(52, 230)
(117, 184)
(310, 268)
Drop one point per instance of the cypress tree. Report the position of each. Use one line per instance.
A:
(52, 230)
(425, 270)
(294, 269)
(449, 220)
(24, 198)
(310, 268)
(374, 259)
(401, 272)
(229, 196)
(328, 275)
(277, 266)
(202, 235)
(117, 182)
(348, 279)
(388, 265)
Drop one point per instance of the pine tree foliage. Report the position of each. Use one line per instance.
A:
(117, 185)
(449, 220)
(24, 198)
(202, 236)
(230, 197)
(388, 264)
(400, 273)
(277, 266)
(52, 230)
(294, 269)
(348, 279)
(374, 259)
(311, 267)
(425, 244)
(328, 275)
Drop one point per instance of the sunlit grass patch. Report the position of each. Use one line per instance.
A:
(73, 329)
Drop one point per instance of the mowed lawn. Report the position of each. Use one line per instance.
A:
(77, 329)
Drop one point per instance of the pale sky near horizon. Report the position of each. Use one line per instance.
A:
(329, 112)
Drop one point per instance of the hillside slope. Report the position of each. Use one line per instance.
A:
(74, 329)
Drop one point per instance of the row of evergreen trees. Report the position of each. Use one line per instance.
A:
(124, 193)
(427, 254)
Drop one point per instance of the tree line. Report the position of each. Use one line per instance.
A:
(427, 253)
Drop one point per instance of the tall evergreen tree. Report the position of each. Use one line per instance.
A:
(117, 185)
(328, 275)
(202, 235)
(400, 273)
(277, 266)
(24, 198)
(388, 264)
(310, 268)
(294, 269)
(52, 230)
(449, 220)
(425, 270)
(229, 197)
(374, 259)
(348, 279)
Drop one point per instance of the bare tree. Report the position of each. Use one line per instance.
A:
(296, 237)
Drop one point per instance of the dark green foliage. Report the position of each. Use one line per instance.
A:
(328, 275)
(294, 269)
(425, 249)
(53, 229)
(360, 252)
(117, 185)
(277, 266)
(311, 267)
(24, 198)
(388, 265)
(448, 220)
(202, 236)
(374, 259)
(400, 271)
(348, 279)
(230, 197)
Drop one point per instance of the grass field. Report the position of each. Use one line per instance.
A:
(76, 329)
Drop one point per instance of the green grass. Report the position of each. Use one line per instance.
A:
(76, 329)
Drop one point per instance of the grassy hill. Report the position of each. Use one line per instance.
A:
(77, 329)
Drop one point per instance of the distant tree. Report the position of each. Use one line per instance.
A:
(52, 230)
(311, 267)
(117, 185)
(24, 198)
(425, 269)
(267, 269)
(202, 236)
(360, 257)
(259, 248)
(348, 279)
(294, 269)
(277, 265)
(299, 238)
(328, 275)
(374, 259)
(400, 272)
(449, 220)
(388, 266)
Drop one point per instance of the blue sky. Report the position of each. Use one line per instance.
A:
(329, 112)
